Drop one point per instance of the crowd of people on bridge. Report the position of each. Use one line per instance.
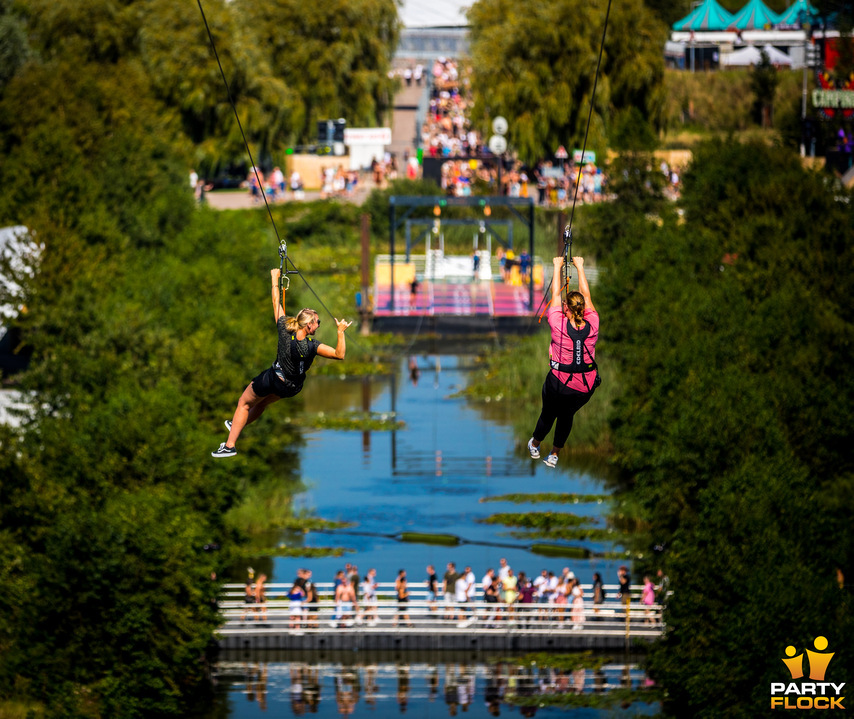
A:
(453, 596)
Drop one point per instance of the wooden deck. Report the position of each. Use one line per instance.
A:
(424, 625)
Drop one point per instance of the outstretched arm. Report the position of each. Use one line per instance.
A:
(278, 310)
(340, 348)
(557, 282)
(583, 286)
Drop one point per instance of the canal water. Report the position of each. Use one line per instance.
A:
(429, 476)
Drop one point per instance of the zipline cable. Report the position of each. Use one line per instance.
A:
(240, 125)
(283, 247)
(567, 234)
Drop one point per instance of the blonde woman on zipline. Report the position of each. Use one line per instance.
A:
(296, 351)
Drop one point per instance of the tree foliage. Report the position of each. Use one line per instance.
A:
(536, 66)
(287, 64)
(105, 509)
(733, 430)
(333, 55)
(763, 82)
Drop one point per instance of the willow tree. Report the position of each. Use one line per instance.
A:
(169, 43)
(176, 50)
(536, 66)
(334, 55)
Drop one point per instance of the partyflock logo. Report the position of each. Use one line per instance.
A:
(813, 694)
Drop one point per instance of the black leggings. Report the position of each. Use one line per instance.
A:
(559, 404)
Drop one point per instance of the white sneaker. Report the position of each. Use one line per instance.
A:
(535, 451)
(551, 461)
(224, 451)
(228, 425)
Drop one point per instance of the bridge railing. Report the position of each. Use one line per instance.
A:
(387, 614)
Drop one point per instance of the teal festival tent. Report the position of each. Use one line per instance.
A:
(754, 16)
(797, 13)
(708, 16)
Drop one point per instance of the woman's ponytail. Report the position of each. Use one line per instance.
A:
(575, 306)
(304, 317)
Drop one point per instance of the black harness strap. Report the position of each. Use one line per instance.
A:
(301, 361)
(578, 365)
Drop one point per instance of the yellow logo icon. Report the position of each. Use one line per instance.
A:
(818, 660)
(813, 694)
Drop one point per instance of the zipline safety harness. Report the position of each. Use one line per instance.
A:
(299, 360)
(578, 365)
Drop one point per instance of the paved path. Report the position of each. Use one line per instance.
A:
(242, 200)
(404, 131)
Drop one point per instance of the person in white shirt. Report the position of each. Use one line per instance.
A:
(487, 579)
(540, 586)
(369, 597)
(551, 588)
(503, 572)
(503, 569)
(278, 180)
(471, 590)
(460, 596)
(471, 584)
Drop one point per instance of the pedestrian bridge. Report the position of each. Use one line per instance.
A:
(422, 624)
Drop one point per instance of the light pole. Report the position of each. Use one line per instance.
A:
(804, 94)
(498, 144)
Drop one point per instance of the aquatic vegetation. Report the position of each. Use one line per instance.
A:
(536, 520)
(544, 497)
(448, 540)
(363, 421)
(305, 552)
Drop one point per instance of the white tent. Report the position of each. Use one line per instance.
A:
(751, 56)
(437, 13)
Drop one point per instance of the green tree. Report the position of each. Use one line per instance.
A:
(103, 515)
(731, 332)
(15, 48)
(176, 52)
(669, 11)
(763, 82)
(334, 56)
(536, 66)
(169, 42)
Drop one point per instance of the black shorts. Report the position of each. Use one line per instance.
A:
(268, 382)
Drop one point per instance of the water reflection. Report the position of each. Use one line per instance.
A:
(385, 683)
(427, 477)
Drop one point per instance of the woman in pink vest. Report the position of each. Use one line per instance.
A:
(573, 373)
